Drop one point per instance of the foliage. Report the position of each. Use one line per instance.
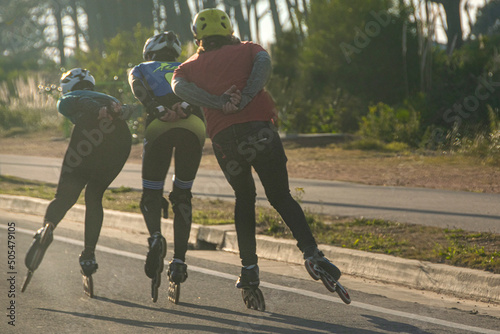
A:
(481, 142)
(357, 47)
(389, 124)
(372, 144)
(24, 107)
(350, 59)
(110, 66)
(463, 85)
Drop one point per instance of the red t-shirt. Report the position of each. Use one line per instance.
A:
(216, 71)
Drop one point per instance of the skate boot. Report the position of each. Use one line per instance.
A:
(249, 282)
(177, 274)
(319, 267)
(89, 266)
(42, 239)
(154, 262)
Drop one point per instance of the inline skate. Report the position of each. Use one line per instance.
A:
(249, 282)
(89, 267)
(177, 274)
(42, 239)
(154, 262)
(319, 267)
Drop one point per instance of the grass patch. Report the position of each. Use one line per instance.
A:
(369, 144)
(454, 247)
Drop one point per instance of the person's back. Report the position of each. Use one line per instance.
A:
(171, 124)
(229, 63)
(99, 146)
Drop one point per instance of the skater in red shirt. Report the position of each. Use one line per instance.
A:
(227, 77)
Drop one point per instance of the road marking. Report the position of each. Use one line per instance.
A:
(283, 288)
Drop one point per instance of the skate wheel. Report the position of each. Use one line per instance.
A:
(154, 290)
(158, 279)
(260, 300)
(246, 298)
(27, 280)
(310, 269)
(343, 294)
(88, 286)
(174, 291)
(253, 299)
(330, 284)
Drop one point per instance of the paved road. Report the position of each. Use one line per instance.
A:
(452, 209)
(54, 301)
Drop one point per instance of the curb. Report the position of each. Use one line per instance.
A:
(461, 282)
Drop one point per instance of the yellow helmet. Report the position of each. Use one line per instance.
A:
(211, 22)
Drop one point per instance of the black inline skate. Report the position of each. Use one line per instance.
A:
(42, 239)
(89, 267)
(319, 267)
(177, 274)
(249, 283)
(154, 262)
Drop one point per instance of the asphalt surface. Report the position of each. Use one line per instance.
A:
(54, 301)
(462, 282)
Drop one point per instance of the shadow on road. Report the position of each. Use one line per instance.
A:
(197, 316)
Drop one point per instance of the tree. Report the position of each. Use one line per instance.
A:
(19, 32)
(276, 18)
(107, 18)
(242, 22)
(110, 66)
(351, 57)
(488, 19)
(454, 32)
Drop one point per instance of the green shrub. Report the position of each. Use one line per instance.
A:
(396, 146)
(391, 125)
(368, 144)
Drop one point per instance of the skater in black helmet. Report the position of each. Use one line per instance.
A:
(227, 77)
(172, 125)
(99, 146)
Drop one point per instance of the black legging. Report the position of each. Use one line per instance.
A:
(155, 165)
(93, 159)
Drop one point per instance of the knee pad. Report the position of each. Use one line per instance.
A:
(181, 202)
(151, 200)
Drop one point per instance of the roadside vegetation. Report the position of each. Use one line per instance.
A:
(454, 247)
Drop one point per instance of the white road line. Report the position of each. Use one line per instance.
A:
(284, 288)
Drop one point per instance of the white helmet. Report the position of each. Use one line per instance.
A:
(166, 41)
(75, 76)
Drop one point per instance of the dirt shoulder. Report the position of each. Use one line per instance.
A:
(327, 162)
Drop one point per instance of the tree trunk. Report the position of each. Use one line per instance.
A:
(172, 18)
(295, 17)
(74, 17)
(257, 19)
(209, 4)
(185, 33)
(276, 19)
(60, 34)
(243, 25)
(107, 18)
(306, 13)
(453, 21)
(95, 27)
